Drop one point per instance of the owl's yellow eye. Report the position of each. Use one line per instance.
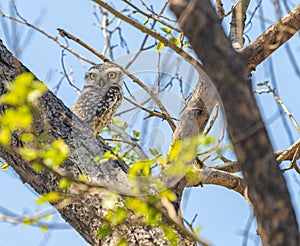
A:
(92, 76)
(112, 75)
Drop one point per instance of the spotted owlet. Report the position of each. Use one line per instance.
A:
(101, 95)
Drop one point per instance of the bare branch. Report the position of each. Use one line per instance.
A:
(276, 35)
(289, 153)
(222, 178)
(237, 23)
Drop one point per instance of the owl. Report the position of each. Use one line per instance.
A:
(101, 95)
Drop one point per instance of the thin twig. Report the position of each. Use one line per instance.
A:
(152, 33)
(154, 17)
(128, 139)
(279, 101)
(288, 154)
(55, 39)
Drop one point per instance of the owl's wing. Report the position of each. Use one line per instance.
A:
(110, 98)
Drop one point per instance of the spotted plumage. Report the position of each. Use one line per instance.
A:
(101, 95)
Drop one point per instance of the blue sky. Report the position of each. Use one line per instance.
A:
(222, 214)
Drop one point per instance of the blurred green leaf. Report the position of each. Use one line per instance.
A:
(64, 184)
(37, 167)
(26, 137)
(48, 217)
(170, 234)
(166, 30)
(52, 196)
(168, 194)
(197, 230)
(117, 216)
(28, 221)
(152, 217)
(145, 21)
(154, 152)
(159, 46)
(44, 228)
(110, 201)
(103, 230)
(5, 136)
(136, 133)
(56, 154)
(4, 166)
(28, 154)
(175, 41)
(122, 242)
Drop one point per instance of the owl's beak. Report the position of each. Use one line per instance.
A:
(101, 82)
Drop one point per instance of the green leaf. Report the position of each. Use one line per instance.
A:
(26, 137)
(168, 194)
(154, 152)
(28, 154)
(64, 184)
(47, 217)
(38, 89)
(159, 46)
(136, 133)
(5, 136)
(110, 201)
(122, 242)
(120, 215)
(4, 166)
(175, 41)
(56, 154)
(193, 176)
(82, 177)
(103, 160)
(52, 196)
(175, 150)
(197, 230)
(152, 217)
(16, 118)
(166, 30)
(103, 230)
(145, 21)
(141, 168)
(28, 221)
(37, 167)
(170, 234)
(44, 228)
(263, 83)
(117, 216)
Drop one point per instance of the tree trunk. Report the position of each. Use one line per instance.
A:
(267, 189)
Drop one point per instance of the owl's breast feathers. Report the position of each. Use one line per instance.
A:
(98, 113)
(107, 107)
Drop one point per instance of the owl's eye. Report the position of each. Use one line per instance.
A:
(112, 75)
(92, 76)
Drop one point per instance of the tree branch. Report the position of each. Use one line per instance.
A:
(275, 36)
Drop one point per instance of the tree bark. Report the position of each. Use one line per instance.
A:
(84, 211)
(228, 70)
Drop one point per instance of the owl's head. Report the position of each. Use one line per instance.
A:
(103, 76)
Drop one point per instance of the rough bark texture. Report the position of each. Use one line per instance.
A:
(228, 70)
(85, 212)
